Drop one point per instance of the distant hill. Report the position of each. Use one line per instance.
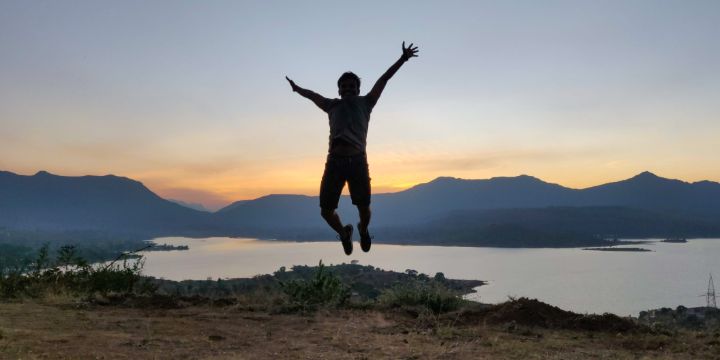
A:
(49, 202)
(501, 210)
(408, 207)
(425, 202)
(550, 227)
(699, 200)
(644, 191)
(275, 216)
(428, 201)
(504, 211)
(194, 206)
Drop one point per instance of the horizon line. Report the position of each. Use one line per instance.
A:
(214, 208)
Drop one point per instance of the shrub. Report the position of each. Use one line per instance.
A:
(427, 294)
(324, 289)
(69, 273)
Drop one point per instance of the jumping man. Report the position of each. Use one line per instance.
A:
(347, 160)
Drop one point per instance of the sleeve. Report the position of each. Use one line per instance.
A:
(326, 104)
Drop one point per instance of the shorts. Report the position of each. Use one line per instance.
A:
(339, 169)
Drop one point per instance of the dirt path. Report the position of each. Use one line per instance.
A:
(33, 330)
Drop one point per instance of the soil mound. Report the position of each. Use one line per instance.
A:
(531, 312)
(605, 322)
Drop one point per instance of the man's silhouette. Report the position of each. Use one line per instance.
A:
(347, 161)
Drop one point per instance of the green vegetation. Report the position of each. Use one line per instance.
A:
(365, 283)
(91, 245)
(324, 289)
(12, 256)
(19, 247)
(430, 295)
(68, 273)
(699, 318)
(382, 306)
(301, 289)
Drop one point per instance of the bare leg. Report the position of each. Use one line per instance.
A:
(365, 213)
(333, 220)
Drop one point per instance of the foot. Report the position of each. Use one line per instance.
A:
(365, 239)
(347, 239)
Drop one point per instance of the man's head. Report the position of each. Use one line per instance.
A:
(348, 85)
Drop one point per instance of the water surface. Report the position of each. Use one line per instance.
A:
(583, 281)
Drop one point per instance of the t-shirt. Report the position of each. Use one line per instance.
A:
(349, 119)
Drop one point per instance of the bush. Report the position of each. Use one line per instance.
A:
(427, 294)
(324, 289)
(69, 273)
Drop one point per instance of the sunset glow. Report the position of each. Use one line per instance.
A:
(190, 98)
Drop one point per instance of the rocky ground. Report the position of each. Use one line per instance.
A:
(63, 328)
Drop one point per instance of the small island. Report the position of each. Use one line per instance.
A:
(629, 249)
(166, 247)
(675, 240)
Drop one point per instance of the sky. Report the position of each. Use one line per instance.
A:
(190, 98)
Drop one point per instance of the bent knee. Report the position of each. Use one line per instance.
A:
(326, 212)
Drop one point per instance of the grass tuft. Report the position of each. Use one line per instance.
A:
(429, 295)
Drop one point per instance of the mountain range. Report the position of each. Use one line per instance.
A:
(443, 211)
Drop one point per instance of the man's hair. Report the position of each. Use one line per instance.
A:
(349, 75)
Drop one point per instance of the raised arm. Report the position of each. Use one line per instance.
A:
(318, 99)
(376, 91)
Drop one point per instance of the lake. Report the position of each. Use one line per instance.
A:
(623, 283)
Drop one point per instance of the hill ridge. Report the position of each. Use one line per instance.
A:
(47, 201)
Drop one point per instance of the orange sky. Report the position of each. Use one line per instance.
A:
(191, 99)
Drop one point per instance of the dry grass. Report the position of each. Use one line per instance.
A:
(60, 329)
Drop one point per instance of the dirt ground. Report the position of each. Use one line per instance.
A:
(67, 330)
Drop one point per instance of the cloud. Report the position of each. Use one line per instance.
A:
(447, 164)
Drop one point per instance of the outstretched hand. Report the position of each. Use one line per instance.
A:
(292, 84)
(409, 52)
